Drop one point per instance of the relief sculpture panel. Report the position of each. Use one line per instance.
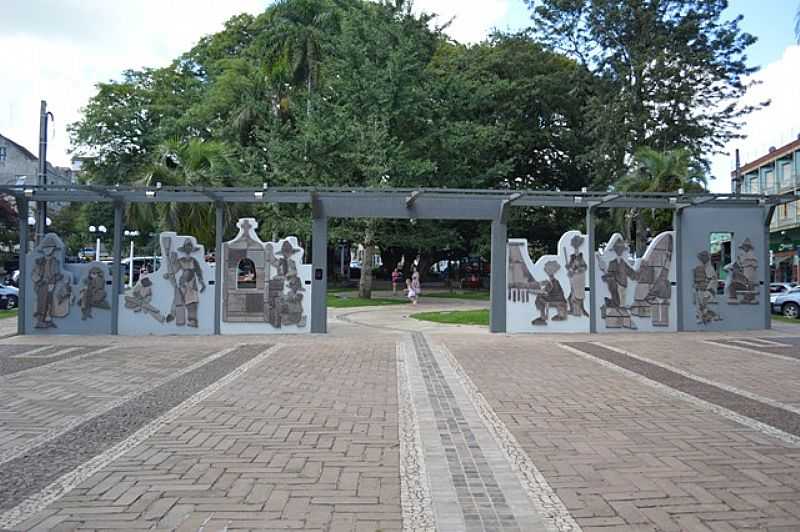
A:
(265, 285)
(65, 298)
(636, 294)
(549, 295)
(178, 298)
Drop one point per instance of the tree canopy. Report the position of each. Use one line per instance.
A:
(362, 93)
(669, 73)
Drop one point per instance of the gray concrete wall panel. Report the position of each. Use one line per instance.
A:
(745, 297)
(65, 298)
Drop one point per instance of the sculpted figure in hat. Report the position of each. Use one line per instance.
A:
(576, 271)
(186, 276)
(53, 290)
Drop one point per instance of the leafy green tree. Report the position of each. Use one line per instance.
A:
(193, 163)
(670, 73)
(654, 171)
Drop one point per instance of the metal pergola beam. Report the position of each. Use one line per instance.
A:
(391, 203)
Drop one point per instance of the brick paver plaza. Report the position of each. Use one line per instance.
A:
(385, 424)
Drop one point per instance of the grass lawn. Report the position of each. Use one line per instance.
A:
(341, 289)
(477, 295)
(8, 314)
(782, 319)
(355, 301)
(458, 317)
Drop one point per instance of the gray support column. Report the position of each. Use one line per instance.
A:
(319, 266)
(218, 265)
(116, 267)
(768, 212)
(22, 301)
(498, 284)
(677, 252)
(590, 237)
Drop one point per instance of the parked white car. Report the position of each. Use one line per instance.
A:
(777, 289)
(9, 297)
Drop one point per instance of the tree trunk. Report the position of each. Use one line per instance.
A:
(628, 229)
(640, 234)
(365, 283)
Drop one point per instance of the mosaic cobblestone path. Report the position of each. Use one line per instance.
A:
(473, 486)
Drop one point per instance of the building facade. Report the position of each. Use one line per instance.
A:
(778, 172)
(18, 166)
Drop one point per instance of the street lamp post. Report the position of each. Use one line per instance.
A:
(132, 235)
(32, 221)
(97, 230)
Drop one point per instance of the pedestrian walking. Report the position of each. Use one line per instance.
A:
(412, 295)
(415, 282)
(395, 280)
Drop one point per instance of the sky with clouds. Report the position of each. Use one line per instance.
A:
(58, 50)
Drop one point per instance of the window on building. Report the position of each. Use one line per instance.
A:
(769, 181)
(786, 174)
(3, 154)
(246, 277)
(753, 188)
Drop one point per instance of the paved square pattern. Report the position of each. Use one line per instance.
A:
(377, 429)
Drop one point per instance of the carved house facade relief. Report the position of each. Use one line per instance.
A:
(266, 288)
(178, 298)
(636, 294)
(551, 294)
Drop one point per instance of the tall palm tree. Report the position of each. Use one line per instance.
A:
(194, 162)
(298, 31)
(654, 171)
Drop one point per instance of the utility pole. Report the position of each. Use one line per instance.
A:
(737, 180)
(41, 206)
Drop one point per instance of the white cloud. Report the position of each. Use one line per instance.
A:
(776, 125)
(57, 50)
(472, 20)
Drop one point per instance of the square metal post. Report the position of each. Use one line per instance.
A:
(768, 213)
(22, 302)
(590, 237)
(116, 266)
(219, 231)
(677, 253)
(319, 266)
(498, 283)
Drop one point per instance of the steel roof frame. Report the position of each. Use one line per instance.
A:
(420, 203)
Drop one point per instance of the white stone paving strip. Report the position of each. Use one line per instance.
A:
(727, 387)
(37, 350)
(549, 507)
(58, 363)
(757, 342)
(752, 351)
(65, 483)
(71, 423)
(758, 426)
(35, 353)
(415, 491)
